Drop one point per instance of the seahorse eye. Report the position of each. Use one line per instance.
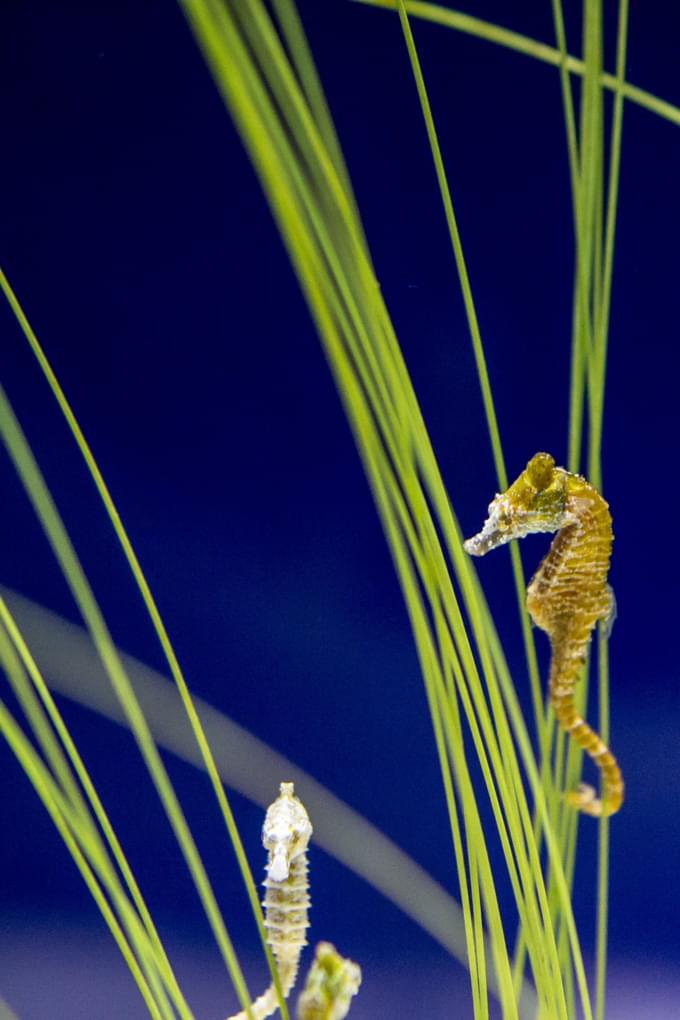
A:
(540, 470)
(504, 520)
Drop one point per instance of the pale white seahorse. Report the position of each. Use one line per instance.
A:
(285, 835)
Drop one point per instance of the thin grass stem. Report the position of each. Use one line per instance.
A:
(44, 507)
(526, 46)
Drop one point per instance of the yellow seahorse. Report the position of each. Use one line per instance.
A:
(567, 595)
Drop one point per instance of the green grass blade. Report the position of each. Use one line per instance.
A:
(461, 266)
(152, 610)
(391, 454)
(303, 63)
(603, 843)
(72, 668)
(480, 363)
(602, 308)
(53, 803)
(53, 527)
(38, 713)
(448, 18)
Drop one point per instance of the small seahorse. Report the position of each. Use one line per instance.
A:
(285, 835)
(331, 984)
(567, 595)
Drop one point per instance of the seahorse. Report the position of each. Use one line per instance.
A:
(567, 596)
(285, 835)
(331, 984)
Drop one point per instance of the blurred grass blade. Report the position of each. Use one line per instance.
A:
(53, 801)
(153, 612)
(71, 666)
(5, 1012)
(53, 527)
(75, 791)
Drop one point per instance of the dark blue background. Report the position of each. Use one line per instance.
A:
(136, 236)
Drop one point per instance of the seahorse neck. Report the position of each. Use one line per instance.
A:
(568, 593)
(588, 540)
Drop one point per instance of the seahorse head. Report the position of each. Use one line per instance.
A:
(286, 832)
(534, 502)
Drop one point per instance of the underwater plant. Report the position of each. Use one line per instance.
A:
(502, 764)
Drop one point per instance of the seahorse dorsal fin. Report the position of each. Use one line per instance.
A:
(610, 618)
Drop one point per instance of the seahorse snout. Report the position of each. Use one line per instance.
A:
(496, 531)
